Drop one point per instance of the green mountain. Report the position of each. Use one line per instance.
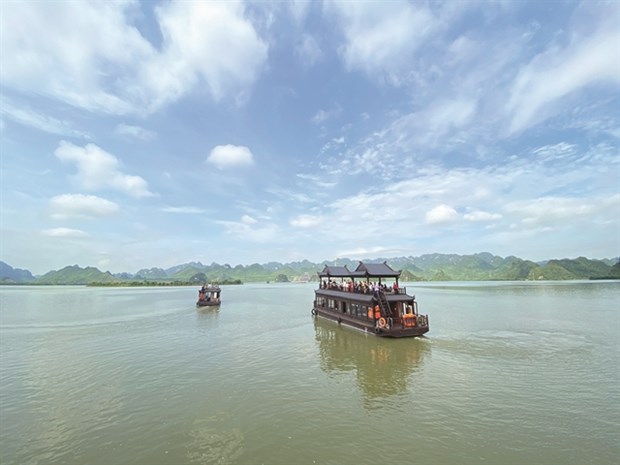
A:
(151, 274)
(10, 275)
(579, 268)
(430, 267)
(76, 275)
(615, 271)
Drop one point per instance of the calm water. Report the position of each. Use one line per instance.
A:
(510, 373)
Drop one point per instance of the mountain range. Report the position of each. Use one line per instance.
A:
(430, 267)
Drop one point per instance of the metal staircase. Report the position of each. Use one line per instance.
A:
(384, 305)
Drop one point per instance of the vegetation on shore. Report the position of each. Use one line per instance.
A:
(431, 267)
(157, 283)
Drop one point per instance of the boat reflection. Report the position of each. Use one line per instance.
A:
(207, 317)
(383, 367)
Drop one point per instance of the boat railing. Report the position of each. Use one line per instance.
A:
(367, 291)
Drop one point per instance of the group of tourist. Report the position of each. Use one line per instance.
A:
(361, 287)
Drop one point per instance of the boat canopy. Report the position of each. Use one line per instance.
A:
(363, 270)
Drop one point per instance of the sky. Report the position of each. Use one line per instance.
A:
(151, 134)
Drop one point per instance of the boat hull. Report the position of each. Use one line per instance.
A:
(369, 326)
(202, 303)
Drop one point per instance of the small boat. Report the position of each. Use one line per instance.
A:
(209, 295)
(361, 299)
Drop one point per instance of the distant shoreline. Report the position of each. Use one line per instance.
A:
(127, 284)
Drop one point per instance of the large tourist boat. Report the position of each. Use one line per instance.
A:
(369, 299)
(209, 295)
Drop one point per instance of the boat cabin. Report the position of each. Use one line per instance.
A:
(369, 299)
(209, 295)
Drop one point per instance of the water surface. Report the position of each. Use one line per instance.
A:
(510, 373)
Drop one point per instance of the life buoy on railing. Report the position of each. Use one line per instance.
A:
(382, 322)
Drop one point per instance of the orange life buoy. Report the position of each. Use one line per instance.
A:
(382, 323)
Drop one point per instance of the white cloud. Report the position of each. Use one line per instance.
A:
(441, 214)
(98, 169)
(553, 211)
(183, 210)
(64, 232)
(308, 51)
(254, 232)
(230, 156)
(61, 50)
(36, 119)
(381, 37)
(589, 59)
(449, 113)
(323, 115)
(299, 9)
(204, 42)
(90, 54)
(135, 132)
(481, 216)
(79, 205)
(306, 221)
(247, 219)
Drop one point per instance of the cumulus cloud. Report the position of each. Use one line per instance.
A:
(64, 232)
(98, 169)
(230, 156)
(442, 214)
(64, 50)
(79, 205)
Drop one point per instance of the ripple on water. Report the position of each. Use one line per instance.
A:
(213, 441)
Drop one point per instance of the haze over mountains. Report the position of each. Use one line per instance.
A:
(430, 267)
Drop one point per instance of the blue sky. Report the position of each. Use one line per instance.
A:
(143, 134)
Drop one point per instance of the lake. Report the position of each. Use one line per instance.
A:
(510, 373)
